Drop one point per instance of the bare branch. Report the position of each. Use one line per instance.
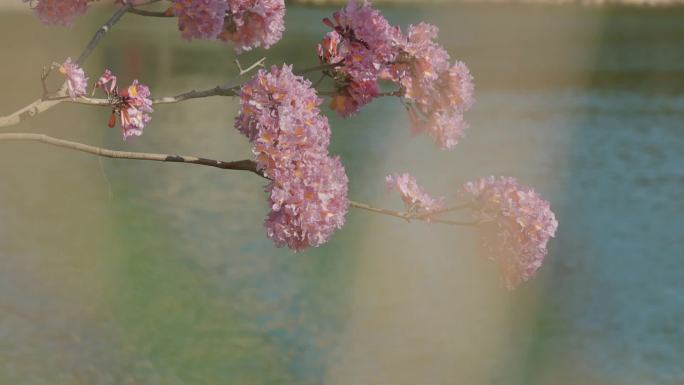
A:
(101, 32)
(28, 111)
(244, 165)
(193, 94)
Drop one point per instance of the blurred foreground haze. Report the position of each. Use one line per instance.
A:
(124, 272)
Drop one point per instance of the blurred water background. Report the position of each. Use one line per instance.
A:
(124, 272)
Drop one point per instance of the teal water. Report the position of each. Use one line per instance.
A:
(118, 272)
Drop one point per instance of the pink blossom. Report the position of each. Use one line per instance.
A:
(133, 105)
(136, 108)
(308, 194)
(517, 225)
(58, 12)
(279, 114)
(254, 23)
(414, 197)
(308, 202)
(419, 63)
(359, 45)
(364, 32)
(350, 98)
(76, 80)
(436, 94)
(200, 19)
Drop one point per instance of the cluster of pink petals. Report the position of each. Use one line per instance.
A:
(133, 105)
(359, 45)
(200, 19)
(517, 225)
(436, 93)
(76, 80)
(414, 197)
(363, 47)
(279, 114)
(246, 23)
(58, 12)
(254, 23)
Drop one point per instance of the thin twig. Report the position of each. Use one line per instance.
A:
(407, 216)
(193, 94)
(446, 210)
(101, 32)
(143, 12)
(258, 63)
(41, 105)
(216, 91)
(318, 82)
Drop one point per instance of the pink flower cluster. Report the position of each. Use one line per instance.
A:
(363, 48)
(58, 12)
(437, 94)
(133, 105)
(308, 190)
(200, 19)
(359, 45)
(246, 23)
(517, 225)
(254, 23)
(76, 80)
(415, 199)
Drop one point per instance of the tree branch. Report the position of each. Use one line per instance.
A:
(242, 165)
(193, 94)
(99, 34)
(42, 105)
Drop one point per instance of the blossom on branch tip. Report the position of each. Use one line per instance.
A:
(254, 23)
(246, 23)
(308, 202)
(76, 80)
(58, 12)
(200, 19)
(435, 94)
(516, 223)
(132, 105)
(308, 191)
(415, 198)
(358, 47)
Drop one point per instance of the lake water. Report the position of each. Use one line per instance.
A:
(123, 272)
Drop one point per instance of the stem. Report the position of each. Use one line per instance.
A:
(447, 210)
(408, 217)
(143, 12)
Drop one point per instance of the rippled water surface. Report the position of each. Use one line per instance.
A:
(124, 272)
